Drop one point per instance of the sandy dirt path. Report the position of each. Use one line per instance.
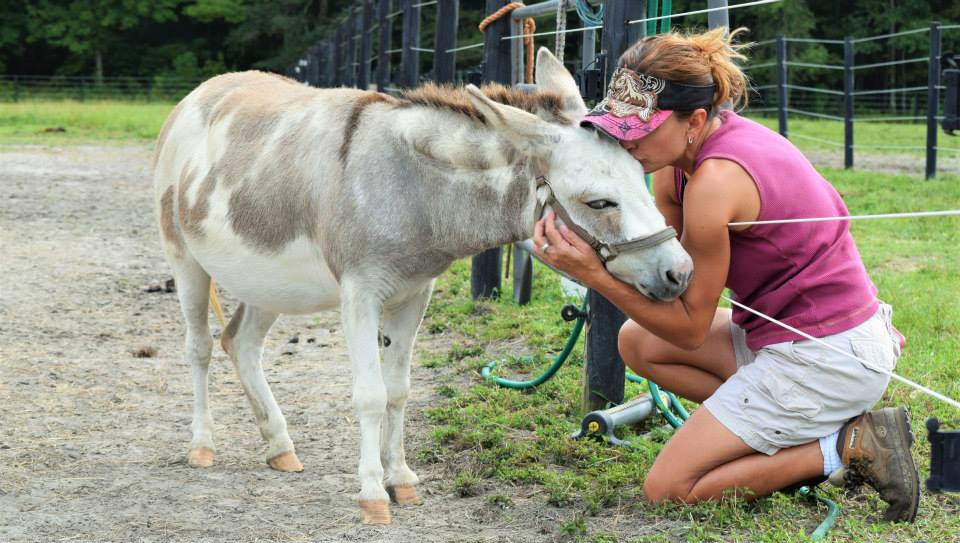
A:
(93, 438)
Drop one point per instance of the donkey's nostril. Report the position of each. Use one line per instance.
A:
(674, 277)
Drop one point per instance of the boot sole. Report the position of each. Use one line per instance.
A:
(899, 423)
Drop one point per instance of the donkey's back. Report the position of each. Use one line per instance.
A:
(240, 168)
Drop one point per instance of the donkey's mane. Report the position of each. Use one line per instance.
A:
(546, 105)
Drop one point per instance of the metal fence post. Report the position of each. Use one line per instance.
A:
(933, 99)
(366, 45)
(350, 42)
(444, 63)
(848, 84)
(330, 64)
(603, 372)
(383, 45)
(719, 17)
(337, 64)
(782, 84)
(410, 57)
(487, 266)
(617, 34)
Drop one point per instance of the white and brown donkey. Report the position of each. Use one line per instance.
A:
(298, 200)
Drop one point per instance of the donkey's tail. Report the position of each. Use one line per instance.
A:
(215, 303)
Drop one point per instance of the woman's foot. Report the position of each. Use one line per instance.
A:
(875, 449)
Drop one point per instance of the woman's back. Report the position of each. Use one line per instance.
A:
(808, 275)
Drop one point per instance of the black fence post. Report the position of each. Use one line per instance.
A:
(444, 63)
(486, 267)
(782, 84)
(933, 99)
(350, 42)
(313, 66)
(617, 34)
(410, 57)
(366, 45)
(329, 63)
(383, 57)
(337, 64)
(603, 372)
(848, 84)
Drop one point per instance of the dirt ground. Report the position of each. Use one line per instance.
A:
(93, 437)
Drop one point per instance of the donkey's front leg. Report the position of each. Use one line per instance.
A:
(361, 318)
(400, 325)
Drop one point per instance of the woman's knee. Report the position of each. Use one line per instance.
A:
(661, 486)
(633, 342)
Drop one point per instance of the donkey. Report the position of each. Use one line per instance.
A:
(297, 200)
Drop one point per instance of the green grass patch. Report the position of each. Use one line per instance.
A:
(522, 437)
(72, 122)
(883, 134)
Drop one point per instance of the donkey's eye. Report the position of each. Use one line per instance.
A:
(601, 204)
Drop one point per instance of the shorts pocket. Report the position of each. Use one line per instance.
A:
(879, 354)
(790, 395)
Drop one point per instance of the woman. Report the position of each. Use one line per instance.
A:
(777, 409)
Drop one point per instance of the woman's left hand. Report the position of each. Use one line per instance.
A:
(566, 251)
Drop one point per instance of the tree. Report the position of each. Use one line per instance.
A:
(86, 27)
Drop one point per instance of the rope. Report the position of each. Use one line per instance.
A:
(866, 364)
(561, 28)
(856, 217)
(529, 27)
(587, 15)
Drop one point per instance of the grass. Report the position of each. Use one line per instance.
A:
(495, 438)
(519, 438)
(864, 133)
(40, 122)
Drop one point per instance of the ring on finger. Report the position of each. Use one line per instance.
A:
(544, 247)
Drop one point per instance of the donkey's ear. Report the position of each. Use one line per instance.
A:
(553, 76)
(530, 134)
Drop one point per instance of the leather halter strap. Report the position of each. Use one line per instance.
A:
(606, 251)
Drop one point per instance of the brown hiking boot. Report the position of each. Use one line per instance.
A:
(875, 449)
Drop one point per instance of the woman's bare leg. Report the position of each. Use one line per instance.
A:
(694, 375)
(704, 460)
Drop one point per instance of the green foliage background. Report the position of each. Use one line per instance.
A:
(194, 38)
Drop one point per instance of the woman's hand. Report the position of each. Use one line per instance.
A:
(565, 251)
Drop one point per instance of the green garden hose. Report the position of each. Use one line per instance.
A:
(557, 362)
(832, 511)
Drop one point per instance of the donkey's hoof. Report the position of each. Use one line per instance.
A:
(405, 495)
(287, 461)
(201, 457)
(375, 511)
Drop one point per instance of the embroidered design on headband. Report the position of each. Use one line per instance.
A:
(631, 93)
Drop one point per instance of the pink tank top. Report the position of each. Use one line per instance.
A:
(808, 275)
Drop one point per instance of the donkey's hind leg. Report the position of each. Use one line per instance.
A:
(243, 341)
(193, 290)
(400, 324)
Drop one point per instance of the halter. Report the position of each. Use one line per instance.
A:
(606, 251)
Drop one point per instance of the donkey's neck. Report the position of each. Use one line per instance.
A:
(484, 190)
(491, 208)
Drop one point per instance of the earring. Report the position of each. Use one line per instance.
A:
(689, 140)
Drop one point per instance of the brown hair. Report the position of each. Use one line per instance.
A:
(694, 59)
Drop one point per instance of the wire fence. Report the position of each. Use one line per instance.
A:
(794, 86)
(14, 88)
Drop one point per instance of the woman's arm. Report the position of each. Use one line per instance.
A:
(719, 191)
(665, 196)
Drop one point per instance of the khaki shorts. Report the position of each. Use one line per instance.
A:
(792, 393)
